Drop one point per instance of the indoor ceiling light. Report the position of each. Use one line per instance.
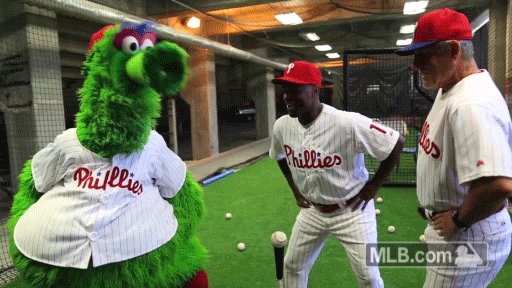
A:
(310, 36)
(193, 22)
(332, 55)
(407, 29)
(415, 7)
(323, 47)
(403, 42)
(289, 18)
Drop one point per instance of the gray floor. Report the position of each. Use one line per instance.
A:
(231, 136)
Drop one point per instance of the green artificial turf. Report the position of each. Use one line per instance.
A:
(260, 201)
(405, 172)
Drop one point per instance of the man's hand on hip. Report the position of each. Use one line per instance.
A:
(364, 196)
(443, 224)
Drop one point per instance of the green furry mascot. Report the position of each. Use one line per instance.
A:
(108, 204)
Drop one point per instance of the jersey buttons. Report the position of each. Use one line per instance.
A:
(104, 199)
(92, 236)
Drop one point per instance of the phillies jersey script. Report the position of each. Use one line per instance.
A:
(107, 209)
(318, 154)
(467, 135)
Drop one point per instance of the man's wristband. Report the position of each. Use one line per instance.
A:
(457, 222)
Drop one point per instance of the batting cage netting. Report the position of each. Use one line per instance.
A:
(381, 85)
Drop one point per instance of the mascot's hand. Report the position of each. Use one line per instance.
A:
(26, 196)
(188, 205)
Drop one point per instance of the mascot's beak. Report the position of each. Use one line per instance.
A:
(163, 67)
(135, 69)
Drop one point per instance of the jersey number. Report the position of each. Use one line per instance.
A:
(373, 126)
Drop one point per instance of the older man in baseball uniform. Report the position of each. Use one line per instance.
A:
(320, 151)
(465, 159)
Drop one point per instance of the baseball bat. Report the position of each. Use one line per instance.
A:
(279, 240)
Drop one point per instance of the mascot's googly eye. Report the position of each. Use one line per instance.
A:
(147, 44)
(130, 44)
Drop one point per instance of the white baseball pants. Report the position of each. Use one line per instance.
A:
(496, 231)
(311, 228)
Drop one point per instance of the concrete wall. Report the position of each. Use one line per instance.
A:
(32, 96)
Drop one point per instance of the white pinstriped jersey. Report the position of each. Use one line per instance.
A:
(327, 157)
(467, 135)
(110, 209)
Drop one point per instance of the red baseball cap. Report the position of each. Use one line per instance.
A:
(302, 73)
(439, 25)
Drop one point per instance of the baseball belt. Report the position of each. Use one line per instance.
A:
(428, 214)
(325, 208)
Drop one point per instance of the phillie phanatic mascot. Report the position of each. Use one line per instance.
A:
(107, 204)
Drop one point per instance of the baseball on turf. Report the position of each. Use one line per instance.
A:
(379, 200)
(240, 246)
(377, 211)
(391, 229)
(229, 216)
(422, 238)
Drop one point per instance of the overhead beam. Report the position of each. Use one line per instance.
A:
(96, 12)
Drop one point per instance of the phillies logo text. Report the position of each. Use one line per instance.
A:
(113, 178)
(429, 146)
(311, 159)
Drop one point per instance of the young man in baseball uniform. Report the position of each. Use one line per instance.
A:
(320, 151)
(465, 160)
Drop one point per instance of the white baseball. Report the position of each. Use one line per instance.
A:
(377, 211)
(391, 229)
(229, 216)
(379, 200)
(422, 238)
(240, 246)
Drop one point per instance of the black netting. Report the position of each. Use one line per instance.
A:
(7, 271)
(380, 85)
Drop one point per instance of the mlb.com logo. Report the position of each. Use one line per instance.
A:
(421, 254)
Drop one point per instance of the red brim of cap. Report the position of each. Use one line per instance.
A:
(409, 50)
(284, 79)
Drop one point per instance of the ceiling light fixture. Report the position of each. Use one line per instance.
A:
(323, 47)
(193, 22)
(310, 36)
(289, 18)
(403, 42)
(407, 29)
(333, 55)
(415, 7)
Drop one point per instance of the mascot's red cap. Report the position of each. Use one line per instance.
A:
(98, 36)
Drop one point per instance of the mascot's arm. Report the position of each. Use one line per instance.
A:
(26, 196)
(188, 206)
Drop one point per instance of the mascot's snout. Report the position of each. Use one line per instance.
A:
(163, 67)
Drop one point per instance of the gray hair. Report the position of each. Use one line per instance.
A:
(466, 47)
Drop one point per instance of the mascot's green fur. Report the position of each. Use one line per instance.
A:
(120, 101)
